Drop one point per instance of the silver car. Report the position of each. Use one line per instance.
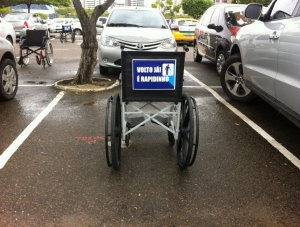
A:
(23, 21)
(7, 31)
(8, 71)
(143, 29)
(264, 59)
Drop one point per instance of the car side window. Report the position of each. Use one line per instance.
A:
(207, 17)
(215, 17)
(283, 9)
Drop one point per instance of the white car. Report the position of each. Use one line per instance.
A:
(57, 23)
(264, 59)
(100, 24)
(7, 31)
(142, 29)
(76, 27)
(8, 71)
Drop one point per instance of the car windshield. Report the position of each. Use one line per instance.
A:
(13, 17)
(136, 18)
(234, 17)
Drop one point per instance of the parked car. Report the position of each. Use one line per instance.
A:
(57, 23)
(214, 30)
(100, 24)
(184, 30)
(7, 31)
(8, 71)
(23, 21)
(264, 59)
(76, 26)
(143, 29)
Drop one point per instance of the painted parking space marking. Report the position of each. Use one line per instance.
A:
(254, 126)
(6, 155)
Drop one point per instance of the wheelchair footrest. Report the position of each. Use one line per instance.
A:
(163, 120)
(134, 121)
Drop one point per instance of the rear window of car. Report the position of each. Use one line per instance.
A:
(143, 18)
(234, 17)
(12, 17)
(187, 23)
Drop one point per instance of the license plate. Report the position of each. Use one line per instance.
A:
(189, 36)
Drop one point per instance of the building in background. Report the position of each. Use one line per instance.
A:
(93, 3)
(222, 1)
(35, 8)
(134, 3)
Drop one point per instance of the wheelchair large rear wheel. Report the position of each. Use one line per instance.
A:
(186, 133)
(108, 130)
(26, 57)
(116, 132)
(73, 37)
(196, 133)
(49, 53)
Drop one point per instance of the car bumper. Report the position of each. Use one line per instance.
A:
(110, 57)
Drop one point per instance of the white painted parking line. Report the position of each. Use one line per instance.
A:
(6, 155)
(258, 129)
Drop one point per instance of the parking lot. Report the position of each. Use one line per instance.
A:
(54, 172)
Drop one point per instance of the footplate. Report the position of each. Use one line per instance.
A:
(134, 121)
(163, 120)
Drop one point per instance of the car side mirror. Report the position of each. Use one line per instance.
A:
(211, 26)
(253, 11)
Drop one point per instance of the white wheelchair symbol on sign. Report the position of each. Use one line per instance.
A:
(167, 69)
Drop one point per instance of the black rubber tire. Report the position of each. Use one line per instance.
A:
(196, 133)
(61, 38)
(103, 70)
(44, 63)
(25, 60)
(78, 32)
(73, 37)
(186, 133)
(116, 132)
(232, 80)
(49, 53)
(197, 57)
(107, 130)
(220, 60)
(8, 80)
(171, 139)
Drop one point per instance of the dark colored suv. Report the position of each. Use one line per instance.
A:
(214, 31)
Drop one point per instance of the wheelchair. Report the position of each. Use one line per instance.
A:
(67, 34)
(151, 91)
(43, 51)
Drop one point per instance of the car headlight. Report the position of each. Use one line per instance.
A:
(168, 43)
(109, 41)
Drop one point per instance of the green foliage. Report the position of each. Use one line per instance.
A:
(71, 12)
(263, 2)
(4, 11)
(166, 8)
(195, 8)
(43, 16)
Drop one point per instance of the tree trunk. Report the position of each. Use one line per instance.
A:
(89, 44)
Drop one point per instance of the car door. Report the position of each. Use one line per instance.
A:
(287, 80)
(212, 34)
(203, 38)
(2, 29)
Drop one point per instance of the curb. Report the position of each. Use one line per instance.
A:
(79, 88)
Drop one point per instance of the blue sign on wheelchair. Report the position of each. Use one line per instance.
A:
(153, 74)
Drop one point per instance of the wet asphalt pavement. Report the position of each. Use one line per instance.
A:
(58, 175)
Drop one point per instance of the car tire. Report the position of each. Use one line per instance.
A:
(232, 80)
(103, 70)
(221, 58)
(8, 80)
(197, 57)
(77, 32)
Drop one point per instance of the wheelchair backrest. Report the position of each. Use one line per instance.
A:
(35, 37)
(66, 28)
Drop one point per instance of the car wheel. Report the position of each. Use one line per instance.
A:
(232, 80)
(77, 32)
(8, 80)
(103, 70)
(197, 57)
(221, 57)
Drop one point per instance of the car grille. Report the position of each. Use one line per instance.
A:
(140, 46)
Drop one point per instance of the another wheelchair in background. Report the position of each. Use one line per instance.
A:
(67, 34)
(43, 51)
